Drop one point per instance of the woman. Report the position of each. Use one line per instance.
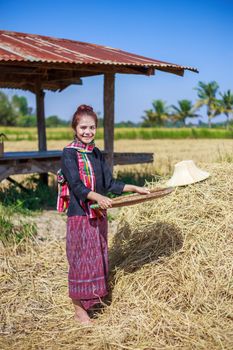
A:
(89, 179)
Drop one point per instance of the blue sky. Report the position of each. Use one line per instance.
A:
(193, 33)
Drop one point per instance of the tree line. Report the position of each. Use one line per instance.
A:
(162, 115)
(16, 112)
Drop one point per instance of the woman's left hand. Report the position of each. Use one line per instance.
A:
(142, 190)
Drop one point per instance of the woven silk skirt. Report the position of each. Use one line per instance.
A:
(87, 254)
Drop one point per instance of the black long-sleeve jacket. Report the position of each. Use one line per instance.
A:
(78, 191)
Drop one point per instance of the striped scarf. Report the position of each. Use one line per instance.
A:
(86, 174)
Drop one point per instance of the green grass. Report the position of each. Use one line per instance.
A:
(12, 233)
(65, 133)
(36, 198)
(15, 202)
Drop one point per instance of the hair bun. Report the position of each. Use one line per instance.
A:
(84, 108)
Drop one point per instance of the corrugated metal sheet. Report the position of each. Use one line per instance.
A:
(21, 47)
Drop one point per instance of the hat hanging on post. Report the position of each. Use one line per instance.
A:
(186, 173)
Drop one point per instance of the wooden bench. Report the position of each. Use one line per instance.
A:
(12, 163)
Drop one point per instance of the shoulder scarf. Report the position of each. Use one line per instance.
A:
(86, 174)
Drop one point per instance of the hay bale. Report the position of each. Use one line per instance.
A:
(171, 279)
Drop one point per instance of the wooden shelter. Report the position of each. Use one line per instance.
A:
(37, 63)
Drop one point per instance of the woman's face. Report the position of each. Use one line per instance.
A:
(86, 129)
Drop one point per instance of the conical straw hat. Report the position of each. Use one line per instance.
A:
(186, 173)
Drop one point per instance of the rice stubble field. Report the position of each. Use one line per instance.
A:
(171, 267)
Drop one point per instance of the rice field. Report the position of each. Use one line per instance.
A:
(30, 134)
(170, 260)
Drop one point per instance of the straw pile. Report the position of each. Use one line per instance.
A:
(171, 278)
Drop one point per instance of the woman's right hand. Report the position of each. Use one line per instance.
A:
(104, 202)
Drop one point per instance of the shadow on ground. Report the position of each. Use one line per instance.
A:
(131, 249)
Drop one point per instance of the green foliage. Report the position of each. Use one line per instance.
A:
(20, 104)
(37, 197)
(207, 97)
(156, 116)
(127, 124)
(55, 121)
(184, 110)
(7, 113)
(226, 105)
(16, 112)
(14, 233)
(27, 121)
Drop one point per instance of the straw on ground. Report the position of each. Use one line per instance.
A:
(171, 279)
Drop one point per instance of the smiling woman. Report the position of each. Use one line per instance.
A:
(85, 179)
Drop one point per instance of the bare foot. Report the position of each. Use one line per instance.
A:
(82, 316)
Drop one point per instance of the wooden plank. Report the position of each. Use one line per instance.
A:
(38, 166)
(122, 157)
(17, 184)
(132, 158)
(31, 154)
(109, 91)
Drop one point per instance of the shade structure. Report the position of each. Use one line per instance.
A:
(37, 63)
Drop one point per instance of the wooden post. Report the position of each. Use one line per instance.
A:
(109, 92)
(41, 129)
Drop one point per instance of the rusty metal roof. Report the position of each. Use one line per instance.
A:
(21, 47)
(28, 61)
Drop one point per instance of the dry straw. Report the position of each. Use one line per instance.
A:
(171, 279)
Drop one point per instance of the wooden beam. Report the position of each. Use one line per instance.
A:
(18, 184)
(175, 71)
(42, 145)
(88, 68)
(49, 79)
(109, 92)
(41, 129)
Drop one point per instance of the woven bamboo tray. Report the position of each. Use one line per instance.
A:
(136, 198)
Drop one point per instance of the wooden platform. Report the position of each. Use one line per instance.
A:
(13, 163)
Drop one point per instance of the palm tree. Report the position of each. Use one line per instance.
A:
(226, 105)
(207, 97)
(183, 111)
(156, 116)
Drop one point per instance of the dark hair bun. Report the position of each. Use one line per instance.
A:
(84, 108)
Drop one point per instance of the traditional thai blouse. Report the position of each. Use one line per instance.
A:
(78, 191)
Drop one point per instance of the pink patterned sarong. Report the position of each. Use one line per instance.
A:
(87, 253)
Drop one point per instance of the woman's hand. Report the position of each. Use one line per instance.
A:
(104, 202)
(141, 190)
(137, 189)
